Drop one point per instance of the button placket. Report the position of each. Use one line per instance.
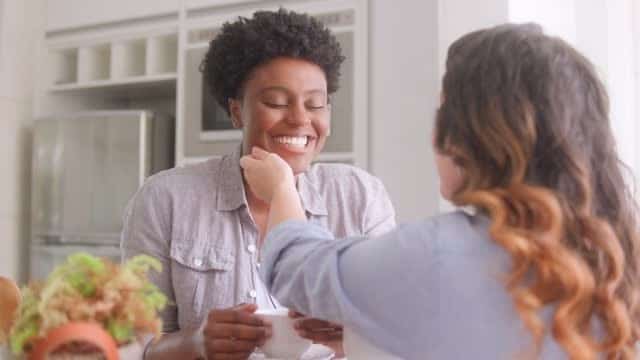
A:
(249, 237)
(253, 294)
(197, 262)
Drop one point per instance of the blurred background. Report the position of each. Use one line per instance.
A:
(96, 95)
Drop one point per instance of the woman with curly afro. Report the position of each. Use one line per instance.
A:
(274, 74)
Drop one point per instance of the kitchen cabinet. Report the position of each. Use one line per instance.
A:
(70, 14)
(126, 54)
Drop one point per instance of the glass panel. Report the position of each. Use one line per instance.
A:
(77, 176)
(214, 117)
(194, 146)
(47, 184)
(115, 176)
(341, 139)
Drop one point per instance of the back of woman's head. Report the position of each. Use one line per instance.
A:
(526, 118)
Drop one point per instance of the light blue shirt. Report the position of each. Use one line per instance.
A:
(429, 290)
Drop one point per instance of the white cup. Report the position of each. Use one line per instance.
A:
(358, 348)
(285, 343)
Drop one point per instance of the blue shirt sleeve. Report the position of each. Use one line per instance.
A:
(371, 285)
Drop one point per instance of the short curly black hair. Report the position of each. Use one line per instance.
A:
(243, 45)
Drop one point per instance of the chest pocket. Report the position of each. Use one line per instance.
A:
(203, 279)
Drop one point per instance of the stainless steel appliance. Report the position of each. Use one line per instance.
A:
(86, 167)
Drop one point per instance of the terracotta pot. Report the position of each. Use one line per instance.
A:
(90, 333)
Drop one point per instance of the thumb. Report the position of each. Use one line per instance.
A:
(248, 308)
(258, 153)
(247, 161)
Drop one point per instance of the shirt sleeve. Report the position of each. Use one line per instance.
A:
(147, 230)
(373, 286)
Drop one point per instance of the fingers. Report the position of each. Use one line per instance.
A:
(242, 332)
(294, 314)
(258, 153)
(311, 324)
(247, 162)
(250, 308)
(321, 336)
(317, 330)
(235, 317)
(228, 346)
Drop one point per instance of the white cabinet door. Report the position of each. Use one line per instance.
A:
(67, 14)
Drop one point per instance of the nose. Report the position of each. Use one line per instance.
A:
(298, 115)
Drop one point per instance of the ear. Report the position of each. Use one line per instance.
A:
(235, 111)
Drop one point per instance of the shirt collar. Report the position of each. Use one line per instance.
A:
(312, 201)
(230, 190)
(231, 194)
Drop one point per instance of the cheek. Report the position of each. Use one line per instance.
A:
(451, 177)
(322, 126)
(260, 121)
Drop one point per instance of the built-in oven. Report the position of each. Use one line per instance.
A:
(207, 130)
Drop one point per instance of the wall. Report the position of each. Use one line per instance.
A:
(403, 92)
(21, 23)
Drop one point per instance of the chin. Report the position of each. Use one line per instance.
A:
(299, 166)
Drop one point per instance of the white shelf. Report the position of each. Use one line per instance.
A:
(129, 59)
(145, 79)
(141, 60)
(94, 63)
(162, 55)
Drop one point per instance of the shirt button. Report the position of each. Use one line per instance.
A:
(251, 248)
(197, 262)
(253, 294)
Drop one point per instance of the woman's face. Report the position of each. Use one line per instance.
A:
(284, 109)
(450, 174)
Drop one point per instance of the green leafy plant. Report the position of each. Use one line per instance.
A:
(89, 289)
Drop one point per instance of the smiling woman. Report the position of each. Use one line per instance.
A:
(273, 74)
(284, 109)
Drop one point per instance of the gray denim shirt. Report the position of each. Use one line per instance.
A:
(196, 221)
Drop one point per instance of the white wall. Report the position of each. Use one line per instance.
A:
(404, 81)
(557, 16)
(19, 28)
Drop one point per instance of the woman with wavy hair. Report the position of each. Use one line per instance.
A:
(547, 264)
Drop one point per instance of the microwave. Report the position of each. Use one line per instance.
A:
(207, 130)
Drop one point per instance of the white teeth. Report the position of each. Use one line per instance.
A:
(292, 140)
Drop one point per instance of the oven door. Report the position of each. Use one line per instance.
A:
(208, 130)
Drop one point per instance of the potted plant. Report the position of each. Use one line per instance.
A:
(88, 307)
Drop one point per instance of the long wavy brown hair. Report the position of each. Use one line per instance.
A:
(526, 118)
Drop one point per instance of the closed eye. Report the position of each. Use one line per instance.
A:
(276, 106)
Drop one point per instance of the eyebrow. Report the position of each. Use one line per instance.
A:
(284, 89)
